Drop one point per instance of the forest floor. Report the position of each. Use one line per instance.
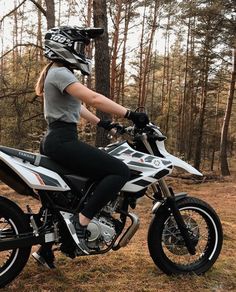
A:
(131, 268)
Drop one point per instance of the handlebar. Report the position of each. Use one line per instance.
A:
(150, 130)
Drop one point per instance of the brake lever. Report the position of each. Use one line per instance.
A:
(117, 128)
(111, 134)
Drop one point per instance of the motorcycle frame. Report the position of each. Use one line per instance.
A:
(167, 194)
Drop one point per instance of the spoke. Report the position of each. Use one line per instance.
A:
(173, 242)
(4, 226)
(200, 250)
(5, 231)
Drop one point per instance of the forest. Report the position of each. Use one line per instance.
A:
(175, 58)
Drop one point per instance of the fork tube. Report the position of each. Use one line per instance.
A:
(164, 188)
(171, 203)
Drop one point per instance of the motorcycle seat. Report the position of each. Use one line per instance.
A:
(36, 159)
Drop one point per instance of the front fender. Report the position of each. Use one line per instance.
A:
(162, 204)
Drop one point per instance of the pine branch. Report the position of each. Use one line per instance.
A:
(20, 45)
(33, 117)
(9, 13)
(39, 7)
(13, 94)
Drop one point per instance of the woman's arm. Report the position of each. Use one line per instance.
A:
(88, 116)
(95, 99)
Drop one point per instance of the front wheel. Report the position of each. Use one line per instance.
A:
(166, 244)
(12, 223)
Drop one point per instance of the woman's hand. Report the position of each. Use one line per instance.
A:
(139, 119)
(105, 124)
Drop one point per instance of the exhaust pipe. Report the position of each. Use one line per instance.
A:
(129, 233)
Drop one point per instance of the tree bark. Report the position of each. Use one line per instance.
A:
(148, 55)
(121, 91)
(102, 62)
(39, 55)
(198, 150)
(223, 143)
(50, 14)
(141, 53)
(115, 48)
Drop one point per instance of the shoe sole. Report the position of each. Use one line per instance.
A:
(41, 261)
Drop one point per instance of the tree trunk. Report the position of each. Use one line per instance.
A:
(169, 99)
(148, 55)
(115, 48)
(141, 56)
(50, 14)
(39, 54)
(198, 150)
(165, 67)
(184, 113)
(102, 62)
(121, 90)
(90, 47)
(223, 143)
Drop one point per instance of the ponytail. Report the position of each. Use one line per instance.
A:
(39, 87)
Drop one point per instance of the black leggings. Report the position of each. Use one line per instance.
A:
(61, 143)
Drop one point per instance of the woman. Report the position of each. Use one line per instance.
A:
(63, 97)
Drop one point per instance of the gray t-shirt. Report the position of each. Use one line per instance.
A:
(58, 104)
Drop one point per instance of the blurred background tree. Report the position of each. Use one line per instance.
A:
(172, 57)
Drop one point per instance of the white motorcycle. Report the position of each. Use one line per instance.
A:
(185, 234)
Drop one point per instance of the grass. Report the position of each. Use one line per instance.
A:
(131, 268)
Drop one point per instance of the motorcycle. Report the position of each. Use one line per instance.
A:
(185, 234)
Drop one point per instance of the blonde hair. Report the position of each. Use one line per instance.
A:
(39, 87)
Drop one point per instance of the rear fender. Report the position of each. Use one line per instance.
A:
(10, 178)
(35, 177)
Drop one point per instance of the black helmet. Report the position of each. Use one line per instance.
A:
(66, 44)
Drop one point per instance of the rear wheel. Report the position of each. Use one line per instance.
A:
(12, 223)
(166, 244)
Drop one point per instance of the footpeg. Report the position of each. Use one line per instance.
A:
(32, 221)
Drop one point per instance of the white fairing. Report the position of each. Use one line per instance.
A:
(36, 177)
(146, 169)
(175, 160)
(178, 162)
(149, 168)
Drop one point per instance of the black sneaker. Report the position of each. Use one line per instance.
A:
(44, 257)
(81, 232)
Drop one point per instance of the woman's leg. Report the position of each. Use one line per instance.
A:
(89, 161)
(85, 160)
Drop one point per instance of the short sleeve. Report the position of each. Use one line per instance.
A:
(63, 78)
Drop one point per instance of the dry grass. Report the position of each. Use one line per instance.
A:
(131, 268)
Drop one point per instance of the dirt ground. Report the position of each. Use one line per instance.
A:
(131, 268)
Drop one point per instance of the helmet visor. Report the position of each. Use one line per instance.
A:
(79, 47)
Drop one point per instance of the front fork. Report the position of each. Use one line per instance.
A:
(171, 203)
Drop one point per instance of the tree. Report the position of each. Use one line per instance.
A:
(115, 47)
(223, 143)
(102, 62)
(49, 13)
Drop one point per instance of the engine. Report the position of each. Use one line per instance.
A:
(101, 232)
(102, 229)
